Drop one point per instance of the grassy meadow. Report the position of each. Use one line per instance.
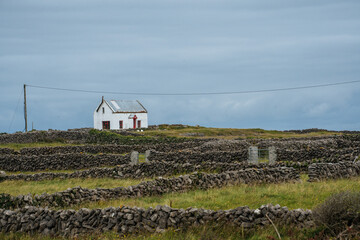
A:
(50, 186)
(228, 133)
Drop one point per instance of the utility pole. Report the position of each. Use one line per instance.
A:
(25, 111)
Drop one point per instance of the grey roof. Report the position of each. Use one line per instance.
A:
(129, 106)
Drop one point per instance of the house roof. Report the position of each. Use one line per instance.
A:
(125, 106)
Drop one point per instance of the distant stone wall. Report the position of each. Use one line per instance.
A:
(45, 136)
(159, 186)
(148, 170)
(127, 220)
(199, 157)
(329, 155)
(14, 163)
(319, 171)
(107, 148)
(195, 157)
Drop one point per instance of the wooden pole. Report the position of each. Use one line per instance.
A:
(25, 110)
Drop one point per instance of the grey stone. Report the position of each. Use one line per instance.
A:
(134, 158)
(253, 155)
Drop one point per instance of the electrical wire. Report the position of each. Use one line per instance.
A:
(17, 105)
(198, 93)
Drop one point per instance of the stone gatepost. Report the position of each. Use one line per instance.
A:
(272, 155)
(134, 158)
(253, 155)
(147, 155)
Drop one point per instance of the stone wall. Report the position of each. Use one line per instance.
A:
(80, 160)
(126, 220)
(329, 155)
(14, 163)
(7, 151)
(320, 171)
(199, 157)
(195, 157)
(107, 148)
(159, 186)
(148, 170)
(45, 136)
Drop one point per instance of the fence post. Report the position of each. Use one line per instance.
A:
(134, 158)
(253, 155)
(147, 155)
(272, 155)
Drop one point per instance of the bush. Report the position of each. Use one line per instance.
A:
(339, 212)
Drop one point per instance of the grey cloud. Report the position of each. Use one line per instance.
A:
(183, 46)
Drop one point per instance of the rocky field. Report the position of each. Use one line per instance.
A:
(173, 166)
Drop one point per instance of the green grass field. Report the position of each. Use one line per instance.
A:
(18, 146)
(293, 195)
(50, 186)
(228, 133)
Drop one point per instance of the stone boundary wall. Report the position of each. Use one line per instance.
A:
(4, 151)
(44, 136)
(127, 220)
(319, 171)
(158, 186)
(309, 144)
(148, 170)
(11, 162)
(108, 148)
(14, 163)
(198, 157)
(329, 155)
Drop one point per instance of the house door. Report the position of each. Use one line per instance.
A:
(134, 121)
(106, 124)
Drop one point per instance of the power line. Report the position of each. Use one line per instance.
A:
(199, 93)
(13, 116)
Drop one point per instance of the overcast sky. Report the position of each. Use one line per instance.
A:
(180, 47)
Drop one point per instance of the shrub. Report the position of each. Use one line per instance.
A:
(339, 212)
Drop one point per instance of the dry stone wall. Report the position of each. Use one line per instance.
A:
(319, 171)
(126, 220)
(159, 186)
(329, 155)
(147, 170)
(7, 151)
(45, 136)
(14, 163)
(107, 148)
(199, 157)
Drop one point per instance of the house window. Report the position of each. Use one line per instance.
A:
(139, 124)
(121, 124)
(106, 124)
(103, 110)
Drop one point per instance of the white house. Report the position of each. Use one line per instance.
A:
(120, 114)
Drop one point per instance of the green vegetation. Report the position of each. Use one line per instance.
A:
(18, 146)
(293, 195)
(226, 133)
(56, 185)
(210, 231)
(339, 212)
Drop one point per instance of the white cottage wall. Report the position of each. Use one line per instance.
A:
(115, 118)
